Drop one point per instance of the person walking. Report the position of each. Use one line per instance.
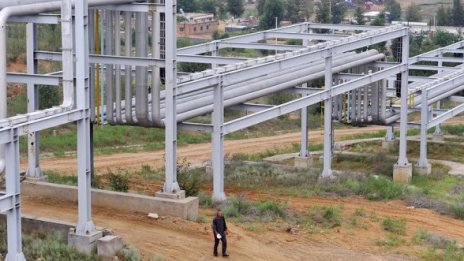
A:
(220, 233)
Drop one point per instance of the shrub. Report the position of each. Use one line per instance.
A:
(271, 209)
(390, 241)
(378, 188)
(57, 178)
(188, 179)
(118, 182)
(457, 211)
(324, 216)
(206, 200)
(130, 253)
(46, 245)
(420, 236)
(236, 206)
(396, 226)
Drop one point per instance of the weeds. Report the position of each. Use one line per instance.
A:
(118, 182)
(48, 245)
(390, 241)
(129, 253)
(420, 236)
(325, 217)
(395, 226)
(266, 210)
(57, 178)
(188, 179)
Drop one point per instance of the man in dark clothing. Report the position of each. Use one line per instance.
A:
(220, 233)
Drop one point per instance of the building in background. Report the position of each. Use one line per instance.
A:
(189, 24)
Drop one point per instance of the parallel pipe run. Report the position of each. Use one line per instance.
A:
(22, 10)
(200, 102)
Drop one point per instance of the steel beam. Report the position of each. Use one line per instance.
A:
(209, 59)
(33, 79)
(318, 37)
(297, 104)
(446, 116)
(13, 187)
(403, 160)
(170, 184)
(217, 156)
(327, 167)
(36, 19)
(85, 224)
(33, 152)
(423, 162)
(261, 46)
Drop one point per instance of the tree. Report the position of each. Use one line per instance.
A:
(457, 13)
(292, 10)
(338, 11)
(323, 12)
(235, 7)
(413, 13)
(208, 6)
(359, 15)
(330, 11)
(305, 10)
(188, 5)
(260, 6)
(444, 16)
(272, 9)
(394, 8)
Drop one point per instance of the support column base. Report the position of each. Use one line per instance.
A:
(37, 179)
(304, 162)
(84, 243)
(388, 144)
(438, 137)
(108, 247)
(423, 170)
(36, 173)
(15, 257)
(219, 197)
(177, 195)
(402, 174)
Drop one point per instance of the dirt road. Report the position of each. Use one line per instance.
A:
(176, 239)
(195, 154)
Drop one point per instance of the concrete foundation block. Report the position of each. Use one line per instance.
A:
(423, 170)
(402, 174)
(84, 243)
(388, 144)
(178, 195)
(108, 247)
(304, 162)
(438, 137)
(37, 179)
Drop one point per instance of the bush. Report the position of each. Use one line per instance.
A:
(46, 245)
(188, 179)
(378, 188)
(396, 226)
(118, 182)
(130, 253)
(457, 211)
(324, 216)
(271, 209)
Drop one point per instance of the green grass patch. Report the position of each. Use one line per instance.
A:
(323, 217)
(57, 178)
(390, 242)
(46, 245)
(395, 226)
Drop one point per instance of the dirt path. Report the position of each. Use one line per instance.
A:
(176, 239)
(195, 154)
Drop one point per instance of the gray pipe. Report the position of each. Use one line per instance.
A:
(141, 94)
(31, 9)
